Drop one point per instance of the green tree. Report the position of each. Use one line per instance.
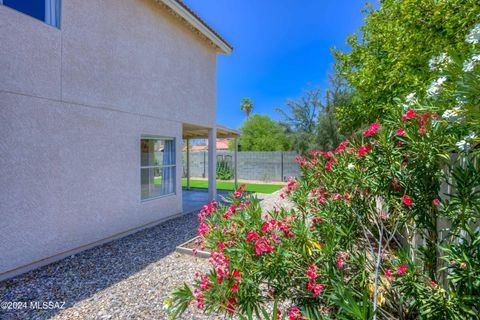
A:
(311, 121)
(261, 133)
(389, 55)
(246, 106)
(337, 95)
(301, 120)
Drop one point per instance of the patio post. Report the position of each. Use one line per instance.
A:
(188, 164)
(236, 162)
(212, 163)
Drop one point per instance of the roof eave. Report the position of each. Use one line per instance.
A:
(180, 9)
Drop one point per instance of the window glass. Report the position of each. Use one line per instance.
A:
(45, 10)
(157, 167)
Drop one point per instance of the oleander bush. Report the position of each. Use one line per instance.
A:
(384, 227)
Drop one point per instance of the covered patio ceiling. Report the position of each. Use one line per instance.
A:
(191, 131)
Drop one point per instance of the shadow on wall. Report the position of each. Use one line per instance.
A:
(80, 276)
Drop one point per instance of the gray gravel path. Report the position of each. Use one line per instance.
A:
(125, 279)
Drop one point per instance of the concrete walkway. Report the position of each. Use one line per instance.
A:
(195, 199)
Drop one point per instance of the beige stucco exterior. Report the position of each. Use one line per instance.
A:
(74, 103)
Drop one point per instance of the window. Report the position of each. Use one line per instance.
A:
(47, 11)
(157, 167)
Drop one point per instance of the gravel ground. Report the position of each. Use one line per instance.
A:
(125, 279)
(271, 201)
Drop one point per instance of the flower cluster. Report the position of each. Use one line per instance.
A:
(199, 293)
(440, 62)
(340, 258)
(435, 87)
(341, 146)
(316, 288)
(474, 36)
(469, 65)
(295, 314)
(263, 244)
(207, 209)
(399, 272)
(372, 129)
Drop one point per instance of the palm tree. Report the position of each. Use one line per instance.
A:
(246, 106)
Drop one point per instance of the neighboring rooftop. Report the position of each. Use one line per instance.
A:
(222, 144)
(180, 9)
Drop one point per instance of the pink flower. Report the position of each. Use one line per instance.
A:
(207, 210)
(312, 272)
(409, 115)
(263, 245)
(268, 227)
(239, 191)
(236, 274)
(318, 289)
(401, 269)
(231, 307)
(235, 288)
(407, 200)
(251, 235)
(432, 283)
(300, 161)
(421, 130)
(341, 146)
(388, 274)
(328, 155)
(230, 211)
(328, 165)
(372, 129)
(205, 284)
(436, 202)
(294, 313)
(340, 258)
(362, 151)
(203, 228)
(401, 132)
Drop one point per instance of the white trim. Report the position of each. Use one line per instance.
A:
(185, 14)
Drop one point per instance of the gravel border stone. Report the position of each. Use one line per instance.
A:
(128, 278)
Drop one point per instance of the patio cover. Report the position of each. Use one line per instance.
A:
(191, 131)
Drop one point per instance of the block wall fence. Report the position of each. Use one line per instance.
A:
(252, 165)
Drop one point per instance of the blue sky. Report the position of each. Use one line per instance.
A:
(280, 48)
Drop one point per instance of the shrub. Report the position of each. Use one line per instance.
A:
(363, 239)
(224, 171)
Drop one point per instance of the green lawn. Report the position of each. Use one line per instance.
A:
(227, 185)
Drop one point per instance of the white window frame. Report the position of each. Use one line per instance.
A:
(160, 167)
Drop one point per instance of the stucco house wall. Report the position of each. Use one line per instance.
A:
(74, 103)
